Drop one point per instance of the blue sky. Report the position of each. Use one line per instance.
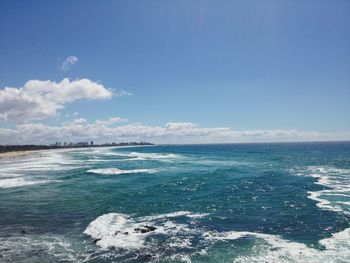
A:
(243, 65)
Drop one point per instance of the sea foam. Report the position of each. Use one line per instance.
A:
(121, 231)
(273, 248)
(138, 155)
(17, 182)
(117, 231)
(337, 183)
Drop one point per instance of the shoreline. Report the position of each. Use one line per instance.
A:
(19, 154)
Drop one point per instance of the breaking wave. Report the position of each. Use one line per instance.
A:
(50, 247)
(140, 155)
(148, 235)
(19, 181)
(152, 235)
(116, 171)
(337, 184)
(273, 248)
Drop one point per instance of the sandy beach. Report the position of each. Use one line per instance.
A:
(18, 154)
(24, 153)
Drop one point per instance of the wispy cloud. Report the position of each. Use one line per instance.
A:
(120, 93)
(69, 62)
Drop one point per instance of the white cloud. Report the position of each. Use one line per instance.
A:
(110, 121)
(79, 121)
(174, 132)
(69, 62)
(39, 99)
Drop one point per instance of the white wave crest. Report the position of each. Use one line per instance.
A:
(19, 181)
(156, 156)
(337, 182)
(119, 231)
(123, 232)
(53, 248)
(41, 161)
(141, 156)
(116, 171)
(273, 248)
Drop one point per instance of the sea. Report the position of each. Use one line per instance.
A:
(267, 202)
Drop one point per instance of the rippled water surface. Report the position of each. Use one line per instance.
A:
(192, 203)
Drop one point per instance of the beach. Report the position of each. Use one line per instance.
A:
(18, 154)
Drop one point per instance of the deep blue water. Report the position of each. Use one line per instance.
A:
(285, 202)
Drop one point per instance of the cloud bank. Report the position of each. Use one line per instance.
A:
(118, 129)
(69, 62)
(39, 99)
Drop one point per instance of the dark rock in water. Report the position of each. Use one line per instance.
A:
(145, 229)
(150, 228)
(96, 240)
(23, 232)
(126, 233)
(117, 232)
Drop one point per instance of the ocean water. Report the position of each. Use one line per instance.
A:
(184, 203)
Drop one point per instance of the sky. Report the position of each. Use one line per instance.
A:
(174, 71)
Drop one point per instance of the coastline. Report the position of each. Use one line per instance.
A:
(20, 154)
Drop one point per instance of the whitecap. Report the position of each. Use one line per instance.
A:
(118, 231)
(124, 232)
(157, 156)
(57, 247)
(116, 171)
(18, 182)
(142, 156)
(46, 161)
(337, 183)
(177, 214)
(273, 248)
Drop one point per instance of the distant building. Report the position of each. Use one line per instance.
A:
(82, 144)
(65, 144)
(92, 143)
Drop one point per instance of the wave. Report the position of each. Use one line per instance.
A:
(48, 161)
(19, 181)
(116, 171)
(273, 248)
(337, 184)
(121, 231)
(182, 236)
(177, 214)
(139, 155)
(156, 156)
(52, 248)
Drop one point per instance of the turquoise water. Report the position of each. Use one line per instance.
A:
(207, 203)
